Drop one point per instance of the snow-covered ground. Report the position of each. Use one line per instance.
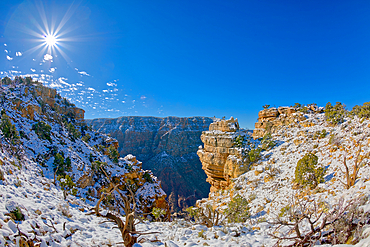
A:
(33, 208)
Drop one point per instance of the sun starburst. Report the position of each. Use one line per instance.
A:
(50, 40)
(51, 33)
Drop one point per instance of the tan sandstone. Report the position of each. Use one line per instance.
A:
(220, 159)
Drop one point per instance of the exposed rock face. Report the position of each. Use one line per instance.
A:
(270, 119)
(46, 98)
(220, 158)
(167, 146)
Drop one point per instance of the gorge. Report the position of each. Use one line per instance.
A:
(168, 147)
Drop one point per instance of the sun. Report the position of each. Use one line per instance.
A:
(50, 40)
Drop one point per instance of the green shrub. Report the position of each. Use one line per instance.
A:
(158, 213)
(361, 111)
(67, 185)
(335, 114)
(239, 141)
(17, 214)
(237, 210)
(307, 172)
(8, 129)
(86, 138)
(267, 142)
(96, 165)
(73, 131)
(192, 211)
(6, 81)
(42, 130)
(297, 105)
(147, 177)
(23, 135)
(254, 155)
(113, 154)
(320, 134)
(61, 165)
(68, 164)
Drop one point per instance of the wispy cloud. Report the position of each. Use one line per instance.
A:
(111, 84)
(83, 73)
(9, 58)
(18, 54)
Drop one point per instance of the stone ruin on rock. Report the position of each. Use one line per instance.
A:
(220, 158)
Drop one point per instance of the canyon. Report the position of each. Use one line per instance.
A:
(168, 147)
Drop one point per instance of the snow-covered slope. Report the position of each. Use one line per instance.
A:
(274, 198)
(54, 169)
(35, 209)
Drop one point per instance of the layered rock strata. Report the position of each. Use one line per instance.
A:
(221, 159)
(269, 120)
(168, 147)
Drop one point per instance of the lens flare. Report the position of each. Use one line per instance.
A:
(50, 40)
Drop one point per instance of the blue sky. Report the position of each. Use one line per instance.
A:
(195, 58)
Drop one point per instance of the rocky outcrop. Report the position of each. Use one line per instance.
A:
(168, 147)
(220, 158)
(269, 120)
(44, 97)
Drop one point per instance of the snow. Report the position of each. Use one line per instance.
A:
(28, 185)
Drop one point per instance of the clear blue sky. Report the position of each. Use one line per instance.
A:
(197, 58)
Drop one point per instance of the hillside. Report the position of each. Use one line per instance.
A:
(54, 169)
(167, 146)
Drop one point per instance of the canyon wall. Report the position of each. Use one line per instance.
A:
(168, 147)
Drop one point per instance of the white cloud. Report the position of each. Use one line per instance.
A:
(143, 97)
(9, 58)
(6, 51)
(5, 45)
(52, 70)
(91, 89)
(33, 70)
(83, 73)
(18, 54)
(123, 101)
(62, 80)
(105, 91)
(111, 84)
(48, 57)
